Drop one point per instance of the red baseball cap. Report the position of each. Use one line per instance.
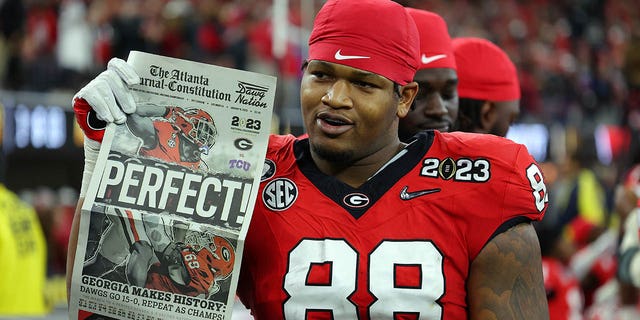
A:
(435, 42)
(377, 36)
(485, 72)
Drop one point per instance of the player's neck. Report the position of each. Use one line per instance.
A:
(359, 171)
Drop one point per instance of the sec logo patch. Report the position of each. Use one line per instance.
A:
(279, 194)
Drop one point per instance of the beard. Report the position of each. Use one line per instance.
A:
(332, 155)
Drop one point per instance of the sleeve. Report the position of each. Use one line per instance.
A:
(524, 197)
(514, 192)
(526, 194)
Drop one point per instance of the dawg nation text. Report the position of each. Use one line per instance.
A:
(161, 187)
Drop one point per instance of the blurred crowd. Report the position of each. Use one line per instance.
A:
(578, 64)
(575, 57)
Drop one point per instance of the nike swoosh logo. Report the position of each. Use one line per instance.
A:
(427, 60)
(340, 56)
(406, 195)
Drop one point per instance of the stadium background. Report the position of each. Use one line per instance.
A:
(578, 63)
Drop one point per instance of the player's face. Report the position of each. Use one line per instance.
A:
(189, 151)
(507, 113)
(350, 114)
(435, 106)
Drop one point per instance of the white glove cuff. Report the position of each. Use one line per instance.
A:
(91, 151)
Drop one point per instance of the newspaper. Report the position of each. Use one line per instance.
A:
(169, 203)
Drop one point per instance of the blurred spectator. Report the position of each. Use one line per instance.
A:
(38, 46)
(572, 57)
(578, 192)
(23, 258)
(12, 15)
(99, 14)
(54, 210)
(565, 297)
(127, 32)
(579, 205)
(626, 204)
(74, 59)
(208, 40)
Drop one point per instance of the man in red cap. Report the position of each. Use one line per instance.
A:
(488, 87)
(371, 227)
(436, 105)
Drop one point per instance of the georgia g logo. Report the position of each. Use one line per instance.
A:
(243, 144)
(279, 194)
(356, 200)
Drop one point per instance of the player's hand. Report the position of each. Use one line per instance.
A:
(106, 99)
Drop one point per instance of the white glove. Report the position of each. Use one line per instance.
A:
(98, 98)
(109, 87)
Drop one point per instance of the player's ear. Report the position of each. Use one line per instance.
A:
(488, 116)
(407, 93)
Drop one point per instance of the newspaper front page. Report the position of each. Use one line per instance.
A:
(171, 197)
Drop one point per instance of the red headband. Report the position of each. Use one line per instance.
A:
(485, 72)
(435, 42)
(377, 36)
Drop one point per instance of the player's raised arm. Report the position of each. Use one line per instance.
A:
(104, 99)
(505, 280)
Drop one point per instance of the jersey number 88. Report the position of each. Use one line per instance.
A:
(384, 260)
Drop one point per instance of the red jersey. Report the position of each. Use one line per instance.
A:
(399, 245)
(564, 294)
(202, 276)
(168, 147)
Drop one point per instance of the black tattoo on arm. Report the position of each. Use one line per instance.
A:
(505, 279)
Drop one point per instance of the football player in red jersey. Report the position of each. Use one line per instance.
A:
(436, 105)
(488, 87)
(185, 267)
(171, 134)
(373, 228)
(150, 251)
(179, 136)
